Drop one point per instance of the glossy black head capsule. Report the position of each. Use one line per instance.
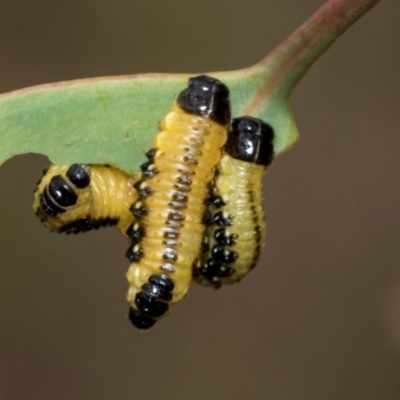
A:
(251, 140)
(61, 192)
(79, 175)
(207, 97)
(49, 206)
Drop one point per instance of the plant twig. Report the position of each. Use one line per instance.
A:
(287, 63)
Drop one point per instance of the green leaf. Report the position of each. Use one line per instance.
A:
(108, 120)
(112, 120)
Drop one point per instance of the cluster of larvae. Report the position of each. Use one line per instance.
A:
(194, 211)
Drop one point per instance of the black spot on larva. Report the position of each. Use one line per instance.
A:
(251, 196)
(146, 165)
(174, 224)
(134, 253)
(44, 171)
(157, 291)
(171, 243)
(171, 234)
(49, 205)
(150, 154)
(149, 169)
(177, 205)
(220, 218)
(163, 281)
(138, 209)
(190, 160)
(135, 232)
(61, 193)
(79, 175)
(212, 269)
(217, 201)
(182, 187)
(142, 188)
(221, 237)
(170, 254)
(149, 174)
(176, 216)
(181, 197)
(184, 180)
(87, 224)
(81, 225)
(149, 305)
(220, 253)
(251, 140)
(139, 320)
(207, 97)
(187, 171)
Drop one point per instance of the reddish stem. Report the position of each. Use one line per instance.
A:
(288, 62)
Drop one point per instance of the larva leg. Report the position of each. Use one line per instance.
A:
(82, 197)
(167, 237)
(236, 230)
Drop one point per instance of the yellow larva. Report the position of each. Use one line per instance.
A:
(167, 199)
(82, 197)
(167, 237)
(236, 229)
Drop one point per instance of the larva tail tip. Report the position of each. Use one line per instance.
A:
(139, 320)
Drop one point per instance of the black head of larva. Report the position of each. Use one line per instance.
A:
(251, 140)
(207, 97)
(50, 207)
(79, 175)
(61, 192)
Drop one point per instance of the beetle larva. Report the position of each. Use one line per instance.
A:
(236, 229)
(82, 197)
(167, 237)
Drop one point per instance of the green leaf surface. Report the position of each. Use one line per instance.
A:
(111, 120)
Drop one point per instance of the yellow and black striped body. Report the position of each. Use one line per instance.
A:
(166, 239)
(235, 235)
(82, 197)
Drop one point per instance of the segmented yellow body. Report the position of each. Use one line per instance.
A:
(171, 214)
(236, 229)
(166, 220)
(236, 232)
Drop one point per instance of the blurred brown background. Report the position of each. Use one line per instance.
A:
(320, 316)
